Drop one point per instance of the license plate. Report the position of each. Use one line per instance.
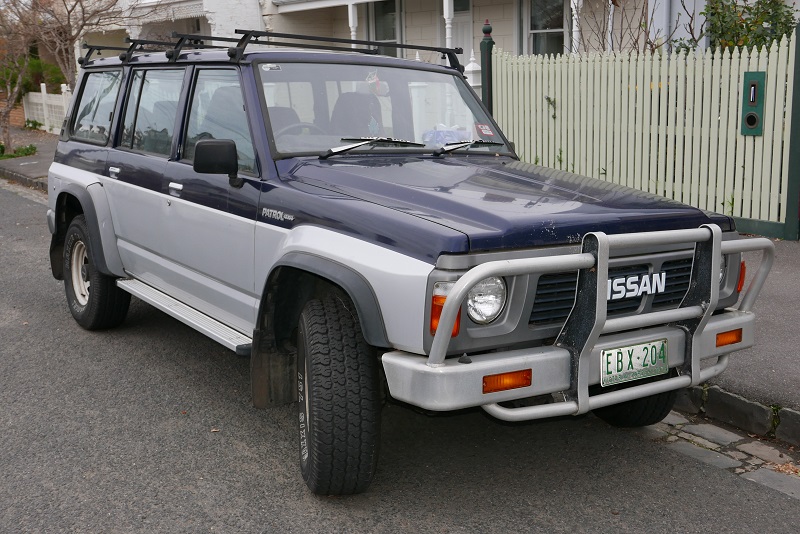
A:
(633, 362)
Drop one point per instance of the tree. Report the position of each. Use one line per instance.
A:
(61, 25)
(740, 23)
(15, 43)
(618, 25)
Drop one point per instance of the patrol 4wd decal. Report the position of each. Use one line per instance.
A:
(634, 286)
(277, 215)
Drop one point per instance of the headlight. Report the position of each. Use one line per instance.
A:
(723, 270)
(486, 299)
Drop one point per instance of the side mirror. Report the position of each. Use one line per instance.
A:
(217, 156)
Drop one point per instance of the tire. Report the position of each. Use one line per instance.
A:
(338, 399)
(93, 298)
(639, 412)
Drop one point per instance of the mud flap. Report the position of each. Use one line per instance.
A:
(273, 373)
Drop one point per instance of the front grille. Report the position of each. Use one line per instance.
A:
(555, 293)
(678, 274)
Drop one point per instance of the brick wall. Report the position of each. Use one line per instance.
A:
(17, 114)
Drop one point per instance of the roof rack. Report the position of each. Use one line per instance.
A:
(173, 50)
(137, 45)
(248, 37)
(193, 41)
(91, 49)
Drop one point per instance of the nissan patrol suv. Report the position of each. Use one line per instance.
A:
(360, 228)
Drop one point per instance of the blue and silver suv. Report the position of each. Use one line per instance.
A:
(359, 226)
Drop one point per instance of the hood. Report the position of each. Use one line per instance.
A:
(500, 203)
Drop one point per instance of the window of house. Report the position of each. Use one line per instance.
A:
(548, 31)
(385, 24)
(96, 107)
(152, 108)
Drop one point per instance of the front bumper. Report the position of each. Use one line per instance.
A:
(572, 364)
(457, 385)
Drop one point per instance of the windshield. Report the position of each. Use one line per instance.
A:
(312, 107)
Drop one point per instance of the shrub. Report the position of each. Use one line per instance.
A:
(27, 150)
(41, 72)
(756, 23)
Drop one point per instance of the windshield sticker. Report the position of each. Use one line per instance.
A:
(270, 66)
(376, 86)
(484, 129)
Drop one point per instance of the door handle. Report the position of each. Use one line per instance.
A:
(176, 186)
(113, 172)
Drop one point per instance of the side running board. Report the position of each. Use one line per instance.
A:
(224, 335)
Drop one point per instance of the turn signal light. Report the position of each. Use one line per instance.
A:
(437, 303)
(742, 275)
(729, 338)
(505, 381)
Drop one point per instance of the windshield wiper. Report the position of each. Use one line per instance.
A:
(366, 141)
(449, 147)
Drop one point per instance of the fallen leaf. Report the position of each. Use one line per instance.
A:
(215, 429)
(787, 468)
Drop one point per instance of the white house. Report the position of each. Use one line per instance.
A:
(518, 26)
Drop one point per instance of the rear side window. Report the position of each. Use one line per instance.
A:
(151, 110)
(96, 107)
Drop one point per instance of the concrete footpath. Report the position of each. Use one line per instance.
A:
(758, 393)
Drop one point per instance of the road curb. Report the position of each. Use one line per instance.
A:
(789, 426)
(35, 183)
(753, 417)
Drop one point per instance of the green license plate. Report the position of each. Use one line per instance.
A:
(633, 362)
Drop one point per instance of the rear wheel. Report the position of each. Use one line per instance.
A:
(639, 412)
(94, 299)
(339, 398)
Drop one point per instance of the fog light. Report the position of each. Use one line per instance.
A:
(506, 381)
(729, 338)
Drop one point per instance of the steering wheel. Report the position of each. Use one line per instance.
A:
(299, 125)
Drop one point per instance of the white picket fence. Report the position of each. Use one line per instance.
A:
(664, 123)
(47, 109)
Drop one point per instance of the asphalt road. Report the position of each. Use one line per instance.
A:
(149, 428)
(769, 373)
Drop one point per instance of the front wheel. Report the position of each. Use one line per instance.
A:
(639, 412)
(93, 298)
(339, 398)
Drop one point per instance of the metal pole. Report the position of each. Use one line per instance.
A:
(792, 226)
(487, 43)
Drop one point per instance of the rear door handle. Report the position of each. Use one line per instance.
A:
(175, 186)
(113, 172)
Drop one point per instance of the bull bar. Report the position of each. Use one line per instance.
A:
(570, 365)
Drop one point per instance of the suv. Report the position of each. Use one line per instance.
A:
(360, 227)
